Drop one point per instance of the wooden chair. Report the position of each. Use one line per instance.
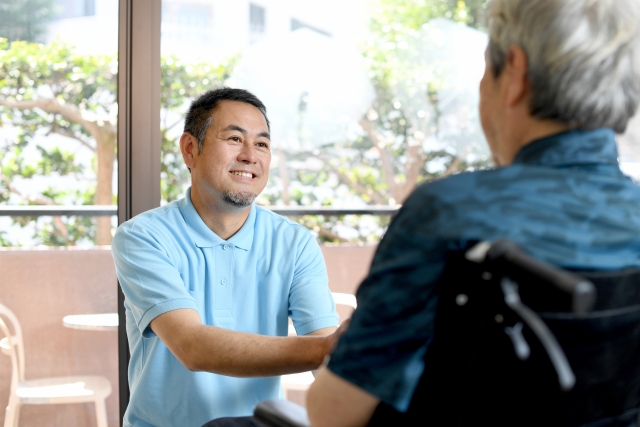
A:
(45, 391)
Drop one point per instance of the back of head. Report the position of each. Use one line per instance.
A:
(583, 57)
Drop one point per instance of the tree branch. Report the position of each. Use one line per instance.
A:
(330, 235)
(415, 162)
(452, 167)
(385, 157)
(376, 197)
(73, 136)
(68, 111)
(168, 128)
(57, 221)
(30, 199)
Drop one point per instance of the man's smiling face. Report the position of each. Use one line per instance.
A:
(233, 166)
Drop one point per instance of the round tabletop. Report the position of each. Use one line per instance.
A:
(92, 322)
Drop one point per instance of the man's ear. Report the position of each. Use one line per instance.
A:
(189, 148)
(515, 70)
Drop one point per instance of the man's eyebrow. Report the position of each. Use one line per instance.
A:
(244, 131)
(235, 127)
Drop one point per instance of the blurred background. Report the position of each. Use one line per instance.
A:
(367, 99)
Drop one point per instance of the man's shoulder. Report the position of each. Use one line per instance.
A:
(267, 218)
(506, 184)
(479, 202)
(157, 221)
(457, 189)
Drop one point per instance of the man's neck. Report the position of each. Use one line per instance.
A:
(523, 133)
(222, 218)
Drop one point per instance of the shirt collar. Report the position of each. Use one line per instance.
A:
(571, 148)
(202, 235)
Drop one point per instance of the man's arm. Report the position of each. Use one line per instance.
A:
(208, 348)
(334, 402)
(322, 332)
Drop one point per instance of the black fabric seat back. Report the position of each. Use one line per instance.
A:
(472, 374)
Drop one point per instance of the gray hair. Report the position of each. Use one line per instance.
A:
(583, 57)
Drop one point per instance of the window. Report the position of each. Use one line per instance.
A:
(192, 16)
(297, 24)
(186, 27)
(75, 8)
(257, 21)
(57, 162)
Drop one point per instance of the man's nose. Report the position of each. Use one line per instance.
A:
(247, 153)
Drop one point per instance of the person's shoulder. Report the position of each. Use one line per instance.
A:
(268, 217)
(154, 221)
(281, 230)
(459, 188)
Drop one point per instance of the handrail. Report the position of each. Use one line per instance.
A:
(59, 210)
(112, 210)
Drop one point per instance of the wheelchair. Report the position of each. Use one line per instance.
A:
(519, 342)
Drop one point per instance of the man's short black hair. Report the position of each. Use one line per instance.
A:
(199, 116)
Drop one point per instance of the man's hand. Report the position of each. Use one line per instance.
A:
(208, 348)
(341, 330)
(332, 334)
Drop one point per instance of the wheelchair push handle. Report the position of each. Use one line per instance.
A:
(517, 264)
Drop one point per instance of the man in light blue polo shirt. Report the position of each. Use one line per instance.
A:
(210, 280)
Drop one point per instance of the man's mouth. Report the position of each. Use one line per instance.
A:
(243, 174)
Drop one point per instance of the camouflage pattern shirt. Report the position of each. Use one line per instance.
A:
(564, 199)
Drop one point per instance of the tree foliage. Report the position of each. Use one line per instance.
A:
(52, 90)
(383, 165)
(25, 19)
(49, 89)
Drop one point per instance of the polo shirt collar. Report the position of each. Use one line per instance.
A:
(202, 235)
(574, 147)
(244, 237)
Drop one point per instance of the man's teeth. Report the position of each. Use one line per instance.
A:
(243, 174)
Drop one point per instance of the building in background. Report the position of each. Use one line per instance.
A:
(211, 30)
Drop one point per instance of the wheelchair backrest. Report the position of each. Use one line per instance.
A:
(487, 365)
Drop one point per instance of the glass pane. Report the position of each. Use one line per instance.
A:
(58, 120)
(366, 98)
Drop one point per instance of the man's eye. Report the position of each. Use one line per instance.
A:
(263, 144)
(235, 138)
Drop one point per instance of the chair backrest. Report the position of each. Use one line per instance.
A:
(10, 328)
(487, 365)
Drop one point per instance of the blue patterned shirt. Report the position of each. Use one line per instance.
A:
(564, 199)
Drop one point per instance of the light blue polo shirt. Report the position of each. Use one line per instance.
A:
(167, 259)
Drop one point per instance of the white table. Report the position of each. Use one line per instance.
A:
(92, 322)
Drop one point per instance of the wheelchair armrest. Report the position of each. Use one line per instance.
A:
(280, 413)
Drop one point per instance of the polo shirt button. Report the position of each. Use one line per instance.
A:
(225, 247)
(223, 281)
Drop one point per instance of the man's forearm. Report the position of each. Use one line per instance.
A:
(250, 355)
(221, 351)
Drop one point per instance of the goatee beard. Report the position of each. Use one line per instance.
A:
(239, 199)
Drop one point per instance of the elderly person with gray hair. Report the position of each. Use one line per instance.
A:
(562, 77)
